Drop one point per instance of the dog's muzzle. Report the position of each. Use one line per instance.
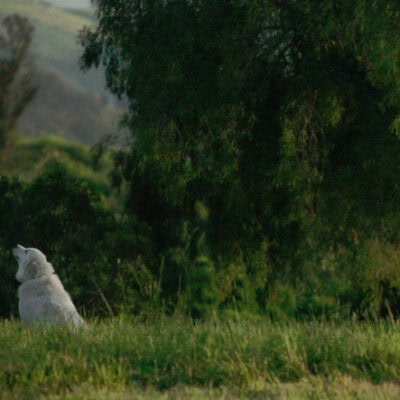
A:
(16, 251)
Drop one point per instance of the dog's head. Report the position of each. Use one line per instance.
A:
(32, 263)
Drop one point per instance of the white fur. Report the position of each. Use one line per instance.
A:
(42, 297)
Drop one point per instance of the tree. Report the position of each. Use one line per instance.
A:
(277, 115)
(17, 72)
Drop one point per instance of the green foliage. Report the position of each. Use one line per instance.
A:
(64, 217)
(379, 279)
(278, 117)
(203, 293)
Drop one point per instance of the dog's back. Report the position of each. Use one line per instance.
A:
(44, 299)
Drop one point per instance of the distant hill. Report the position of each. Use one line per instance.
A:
(68, 4)
(69, 102)
(26, 159)
(62, 110)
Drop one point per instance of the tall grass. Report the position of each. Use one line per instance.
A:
(215, 358)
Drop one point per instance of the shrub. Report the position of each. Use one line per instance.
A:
(379, 279)
(64, 217)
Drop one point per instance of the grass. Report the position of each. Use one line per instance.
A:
(170, 357)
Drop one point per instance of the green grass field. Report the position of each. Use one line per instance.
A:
(171, 358)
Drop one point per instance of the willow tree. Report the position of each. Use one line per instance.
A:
(279, 116)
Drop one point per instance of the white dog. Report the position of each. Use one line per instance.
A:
(42, 297)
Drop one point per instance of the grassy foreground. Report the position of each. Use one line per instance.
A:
(170, 358)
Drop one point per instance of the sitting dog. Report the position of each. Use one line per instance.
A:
(42, 297)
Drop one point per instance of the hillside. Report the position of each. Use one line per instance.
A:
(69, 4)
(69, 101)
(26, 159)
(55, 44)
(61, 110)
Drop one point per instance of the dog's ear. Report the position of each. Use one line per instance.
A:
(31, 269)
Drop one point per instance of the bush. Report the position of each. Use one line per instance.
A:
(64, 217)
(203, 294)
(113, 265)
(379, 279)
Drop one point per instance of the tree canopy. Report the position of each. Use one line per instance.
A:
(278, 117)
